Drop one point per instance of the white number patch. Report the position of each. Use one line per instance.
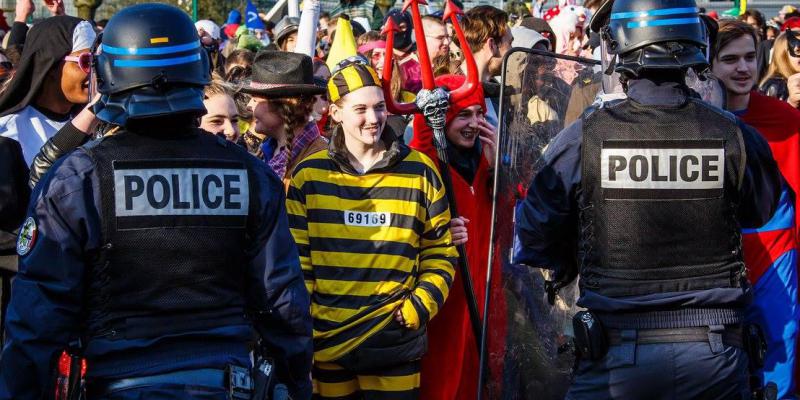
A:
(364, 218)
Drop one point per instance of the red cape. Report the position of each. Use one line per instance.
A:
(779, 124)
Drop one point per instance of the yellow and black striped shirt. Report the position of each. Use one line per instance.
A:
(369, 244)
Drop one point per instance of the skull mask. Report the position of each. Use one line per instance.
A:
(433, 104)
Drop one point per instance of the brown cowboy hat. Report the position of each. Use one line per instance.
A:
(281, 74)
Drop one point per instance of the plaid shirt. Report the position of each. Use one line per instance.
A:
(279, 162)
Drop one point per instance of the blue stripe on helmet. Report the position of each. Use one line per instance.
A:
(655, 13)
(663, 22)
(162, 62)
(149, 51)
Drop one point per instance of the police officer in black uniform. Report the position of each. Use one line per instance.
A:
(653, 192)
(159, 252)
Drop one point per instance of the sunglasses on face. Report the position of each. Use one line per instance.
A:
(793, 40)
(84, 61)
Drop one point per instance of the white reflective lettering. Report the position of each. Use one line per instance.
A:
(181, 191)
(645, 168)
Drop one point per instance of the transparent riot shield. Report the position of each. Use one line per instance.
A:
(527, 345)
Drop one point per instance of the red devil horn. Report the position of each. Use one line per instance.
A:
(386, 79)
(451, 9)
(409, 3)
(425, 64)
(470, 85)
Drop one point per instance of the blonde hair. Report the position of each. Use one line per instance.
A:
(781, 65)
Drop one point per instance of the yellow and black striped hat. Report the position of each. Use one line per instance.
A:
(350, 76)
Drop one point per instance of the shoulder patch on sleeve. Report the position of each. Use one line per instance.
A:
(27, 236)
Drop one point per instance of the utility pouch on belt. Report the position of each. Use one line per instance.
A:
(262, 378)
(591, 342)
(755, 345)
(240, 384)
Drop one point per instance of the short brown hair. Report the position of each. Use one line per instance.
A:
(432, 19)
(729, 31)
(481, 23)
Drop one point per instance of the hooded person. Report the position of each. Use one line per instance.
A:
(547, 94)
(50, 81)
(541, 26)
(211, 39)
(405, 50)
(450, 368)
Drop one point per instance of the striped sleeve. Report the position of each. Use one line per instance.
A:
(436, 261)
(298, 225)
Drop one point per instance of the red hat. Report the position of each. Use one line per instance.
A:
(791, 23)
(452, 82)
(423, 135)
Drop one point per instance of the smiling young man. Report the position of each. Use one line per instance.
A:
(370, 219)
(770, 252)
(489, 38)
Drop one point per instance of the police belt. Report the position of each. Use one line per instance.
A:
(208, 377)
(731, 335)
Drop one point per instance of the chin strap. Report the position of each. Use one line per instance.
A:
(610, 69)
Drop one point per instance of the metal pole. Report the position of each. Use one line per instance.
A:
(194, 10)
(294, 8)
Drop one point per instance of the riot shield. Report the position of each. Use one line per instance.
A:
(527, 345)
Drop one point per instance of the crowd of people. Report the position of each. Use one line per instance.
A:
(166, 191)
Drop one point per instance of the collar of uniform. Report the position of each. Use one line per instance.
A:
(395, 151)
(647, 92)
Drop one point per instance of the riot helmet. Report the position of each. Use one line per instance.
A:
(150, 63)
(640, 35)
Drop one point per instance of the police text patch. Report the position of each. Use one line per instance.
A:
(662, 168)
(181, 191)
